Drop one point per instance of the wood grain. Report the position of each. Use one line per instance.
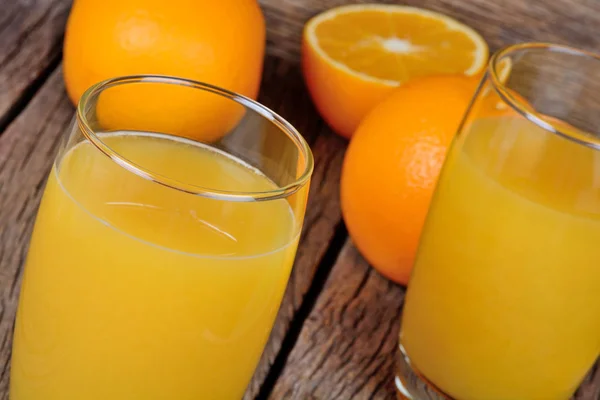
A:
(27, 150)
(590, 388)
(30, 43)
(26, 153)
(347, 346)
(283, 91)
(571, 22)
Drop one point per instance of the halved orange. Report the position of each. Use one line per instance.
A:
(354, 55)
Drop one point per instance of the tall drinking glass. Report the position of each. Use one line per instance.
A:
(504, 301)
(162, 246)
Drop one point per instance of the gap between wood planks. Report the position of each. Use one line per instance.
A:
(291, 337)
(31, 44)
(27, 95)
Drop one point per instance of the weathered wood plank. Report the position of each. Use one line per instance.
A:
(30, 42)
(347, 345)
(283, 92)
(590, 388)
(562, 21)
(571, 22)
(27, 150)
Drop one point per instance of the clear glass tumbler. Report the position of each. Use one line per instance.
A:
(504, 300)
(162, 246)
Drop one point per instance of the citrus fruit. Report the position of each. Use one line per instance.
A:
(352, 56)
(218, 42)
(392, 165)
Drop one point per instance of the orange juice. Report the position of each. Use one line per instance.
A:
(504, 301)
(133, 290)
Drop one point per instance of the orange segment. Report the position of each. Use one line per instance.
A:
(363, 51)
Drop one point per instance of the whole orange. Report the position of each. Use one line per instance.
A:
(392, 165)
(219, 42)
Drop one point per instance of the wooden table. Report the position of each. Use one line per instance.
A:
(335, 337)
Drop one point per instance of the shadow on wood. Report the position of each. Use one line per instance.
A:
(347, 346)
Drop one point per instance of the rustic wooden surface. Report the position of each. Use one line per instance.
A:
(346, 346)
(30, 41)
(336, 332)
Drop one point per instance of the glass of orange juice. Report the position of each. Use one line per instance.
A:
(504, 300)
(162, 247)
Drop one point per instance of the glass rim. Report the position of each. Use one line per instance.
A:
(517, 105)
(239, 196)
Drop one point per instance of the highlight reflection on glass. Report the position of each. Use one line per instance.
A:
(504, 301)
(162, 247)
